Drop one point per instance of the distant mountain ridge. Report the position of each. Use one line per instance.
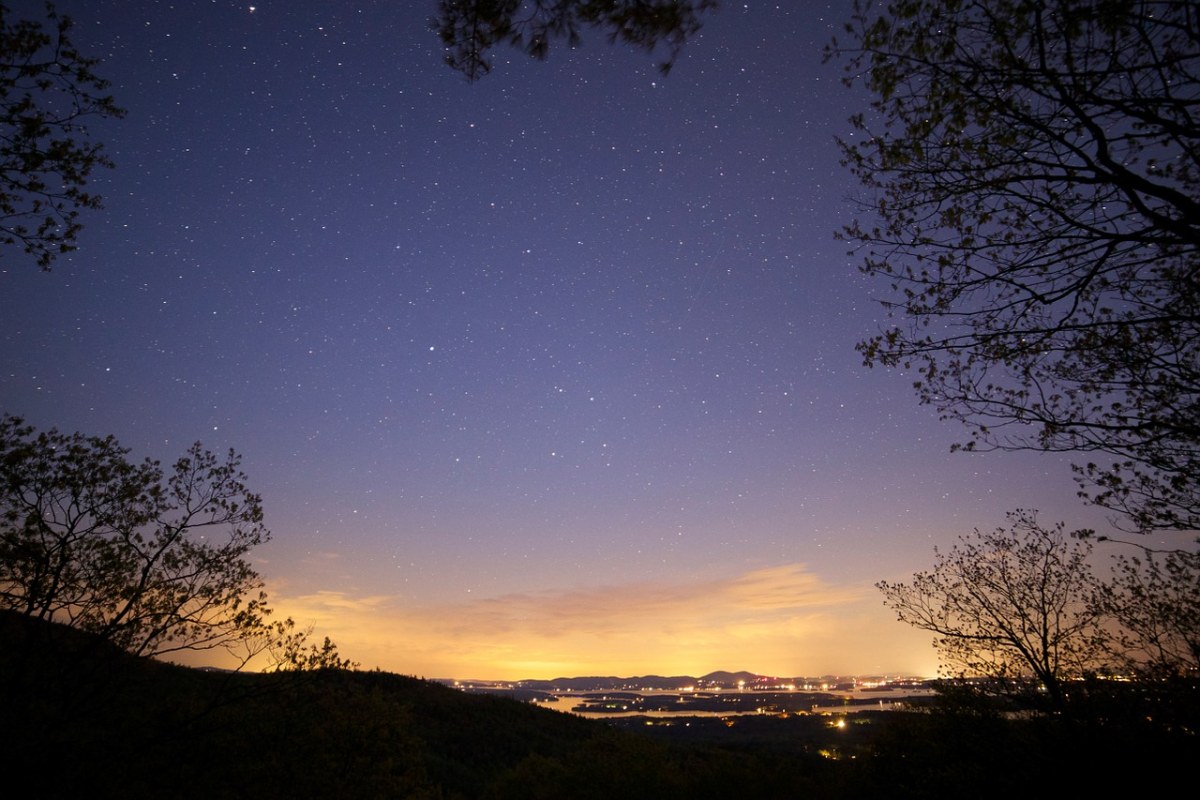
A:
(719, 679)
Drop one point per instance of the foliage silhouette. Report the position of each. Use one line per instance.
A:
(152, 562)
(48, 92)
(1034, 204)
(1014, 608)
(470, 28)
(1155, 600)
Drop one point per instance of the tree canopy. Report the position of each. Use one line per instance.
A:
(1033, 178)
(1155, 600)
(48, 92)
(469, 29)
(1013, 605)
(153, 561)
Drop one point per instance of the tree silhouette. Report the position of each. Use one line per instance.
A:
(1155, 598)
(470, 28)
(1034, 178)
(153, 562)
(1010, 606)
(48, 91)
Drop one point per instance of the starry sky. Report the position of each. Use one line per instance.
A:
(550, 374)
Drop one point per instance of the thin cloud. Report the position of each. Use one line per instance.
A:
(768, 619)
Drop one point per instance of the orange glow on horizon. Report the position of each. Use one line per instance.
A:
(780, 620)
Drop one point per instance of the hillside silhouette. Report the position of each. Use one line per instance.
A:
(84, 719)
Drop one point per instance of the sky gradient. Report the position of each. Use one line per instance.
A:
(551, 374)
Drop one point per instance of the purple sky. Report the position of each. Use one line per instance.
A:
(549, 374)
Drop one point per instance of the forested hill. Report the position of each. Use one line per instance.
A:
(83, 719)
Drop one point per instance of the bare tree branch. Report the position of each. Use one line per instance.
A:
(1035, 175)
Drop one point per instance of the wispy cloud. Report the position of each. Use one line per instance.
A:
(782, 619)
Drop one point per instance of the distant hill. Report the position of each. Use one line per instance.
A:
(589, 682)
(730, 678)
(719, 679)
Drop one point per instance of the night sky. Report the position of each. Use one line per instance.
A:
(551, 374)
